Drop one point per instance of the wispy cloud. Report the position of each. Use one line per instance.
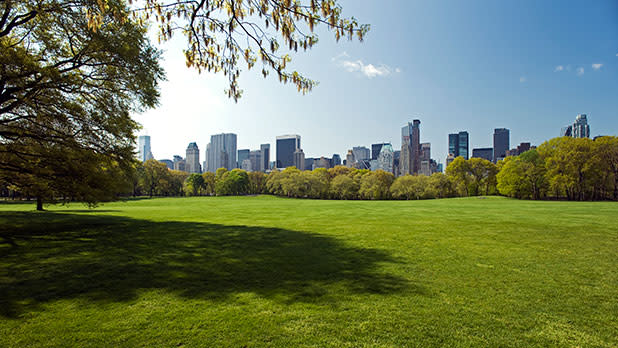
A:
(596, 66)
(559, 68)
(579, 71)
(522, 79)
(369, 70)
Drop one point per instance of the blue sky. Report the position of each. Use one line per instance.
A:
(530, 66)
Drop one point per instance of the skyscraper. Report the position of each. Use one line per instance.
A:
(458, 144)
(299, 159)
(179, 163)
(243, 154)
(375, 150)
(265, 149)
(581, 129)
(501, 143)
(221, 152)
(484, 152)
(361, 153)
(143, 144)
(255, 157)
(336, 160)
(192, 161)
(286, 146)
(410, 160)
(385, 158)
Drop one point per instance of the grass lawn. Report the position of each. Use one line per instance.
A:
(266, 271)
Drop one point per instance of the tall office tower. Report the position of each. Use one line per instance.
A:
(386, 158)
(375, 150)
(581, 129)
(168, 163)
(336, 160)
(349, 159)
(192, 160)
(286, 146)
(246, 165)
(255, 157)
(410, 148)
(449, 159)
(458, 144)
(396, 158)
(425, 155)
(265, 165)
(299, 159)
(322, 162)
(179, 163)
(483, 152)
(566, 131)
(143, 143)
(464, 144)
(243, 154)
(209, 159)
(501, 143)
(222, 152)
(361, 153)
(453, 144)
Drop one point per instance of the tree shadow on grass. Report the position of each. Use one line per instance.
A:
(52, 256)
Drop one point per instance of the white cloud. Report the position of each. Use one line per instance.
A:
(369, 70)
(580, 71)
(559, 68)
(596, 66)
(522, 79)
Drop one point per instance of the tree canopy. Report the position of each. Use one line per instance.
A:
(220, 34)
(66, 92)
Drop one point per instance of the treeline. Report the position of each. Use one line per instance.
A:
(561, 168)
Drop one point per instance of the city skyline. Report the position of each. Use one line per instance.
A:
(362, 152)
(515, 68)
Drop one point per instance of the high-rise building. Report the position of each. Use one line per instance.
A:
(566, 131)
(299, 159)
(361, 153)
(286, 146)
(336, 160)
(143, 147)
(484, 152)
(221, 152)
(375, 150)
(501, 143)
(458, 144)
(581, 129)
(349, 159)
(449, 159)
(255, 157)
(168, 163)
(396, 159)
(243, 154)
(464, 140)
(322, 162)
(425, 155)
(410, 161)
(192, 161)
(385, 158)
(246, 165)
(265, 149)
(179, 163)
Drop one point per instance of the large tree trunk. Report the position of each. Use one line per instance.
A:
(39, 204)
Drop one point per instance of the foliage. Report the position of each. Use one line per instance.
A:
(523, 176)
(411, 187)
(257, 182)
(195, 185)
(344, 187)
(65, 97)
(376, 185)
(235, 182)
(222, 33)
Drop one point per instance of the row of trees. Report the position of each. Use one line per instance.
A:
(561, 168)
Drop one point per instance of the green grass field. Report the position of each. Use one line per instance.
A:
(265, 271)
